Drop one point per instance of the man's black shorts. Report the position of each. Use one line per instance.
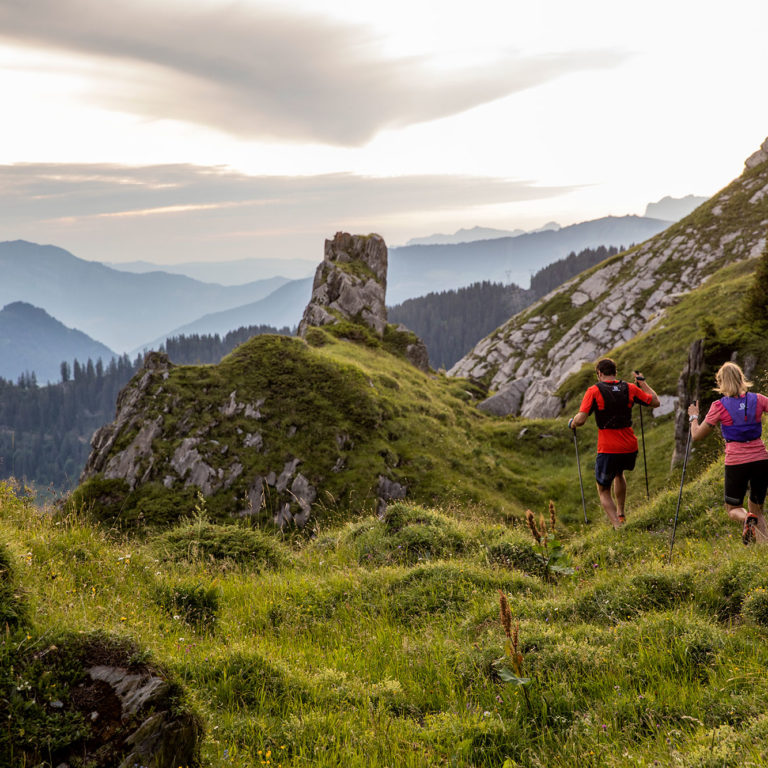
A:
(738, 476)
(608, 465)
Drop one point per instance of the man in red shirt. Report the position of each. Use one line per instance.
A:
(611, 401)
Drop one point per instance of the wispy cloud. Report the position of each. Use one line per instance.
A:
(263, 73)
(187, 211)
(42, 191)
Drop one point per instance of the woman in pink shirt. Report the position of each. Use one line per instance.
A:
(739, 413)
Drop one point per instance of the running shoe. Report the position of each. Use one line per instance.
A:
(748, 534)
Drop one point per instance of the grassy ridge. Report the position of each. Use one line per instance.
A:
(421, 430)
(374, 643)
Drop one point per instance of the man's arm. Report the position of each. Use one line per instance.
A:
(641, 383)
(584, 410)
(578, 420)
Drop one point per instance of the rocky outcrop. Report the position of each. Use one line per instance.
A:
(388, 490)
(269, 429)
(758, 157)
(538, 349)
(350, 284)
(129, 463)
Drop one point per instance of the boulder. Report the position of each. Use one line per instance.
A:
(758, 157)
(388, 490)
(540, 400)
(507, 401)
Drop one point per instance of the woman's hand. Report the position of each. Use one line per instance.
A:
(693, 410)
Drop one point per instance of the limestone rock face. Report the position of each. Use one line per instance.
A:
(128, 463)
(508, 400)
(623, 297)
(350, 284)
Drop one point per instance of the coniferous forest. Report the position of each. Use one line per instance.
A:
(45, 431)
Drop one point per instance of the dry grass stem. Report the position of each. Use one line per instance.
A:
(506, 615)
(552, 516)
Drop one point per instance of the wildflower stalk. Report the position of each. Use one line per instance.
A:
(551, 551)
(512, 652)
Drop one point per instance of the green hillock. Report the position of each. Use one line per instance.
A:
(351, 413)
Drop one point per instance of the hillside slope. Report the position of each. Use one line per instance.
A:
(283, 431)
(628, 295)
(31, 341)
(379, 642)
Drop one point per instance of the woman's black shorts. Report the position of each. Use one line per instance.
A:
(738, 476)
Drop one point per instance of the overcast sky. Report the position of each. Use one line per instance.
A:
(211, 129)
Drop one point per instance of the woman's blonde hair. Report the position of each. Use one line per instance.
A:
(731, 381)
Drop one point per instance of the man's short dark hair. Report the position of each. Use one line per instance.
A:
(606, 366)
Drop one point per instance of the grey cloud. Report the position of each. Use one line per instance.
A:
(265, 73)
(181, 212)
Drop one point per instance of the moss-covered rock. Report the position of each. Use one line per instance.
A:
(91, 700)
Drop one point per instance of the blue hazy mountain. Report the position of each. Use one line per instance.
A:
(119, 309)
(234, 272)
(476, 233)
(282, 308)
(31, 341)
(415, 270)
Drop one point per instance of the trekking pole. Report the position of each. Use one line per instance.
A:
(642, 433)
(680, 495)
(581, 484)
(645, 461)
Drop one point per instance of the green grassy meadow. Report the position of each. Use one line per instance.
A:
(378, 642)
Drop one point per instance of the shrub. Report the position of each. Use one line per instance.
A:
(406, 535)
(659, 591)
(247, 547)
(521, 557)
(441, 587)
(196, 604)
(250, 680)
(755, 606)
(102, 498)
(723, 592)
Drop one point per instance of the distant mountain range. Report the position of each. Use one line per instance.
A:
(128, 311)
(415, 270)
(119, 309)
(477, 233)
(282, 308)
(33, 341)
(674, 208)
(227, 272)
